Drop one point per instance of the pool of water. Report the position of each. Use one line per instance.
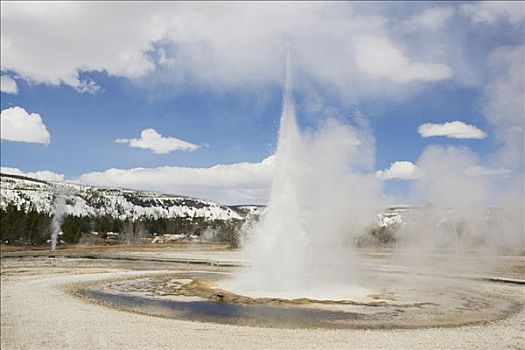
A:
(467, 302)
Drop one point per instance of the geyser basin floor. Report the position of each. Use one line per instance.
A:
(400, 301)
(35, 305)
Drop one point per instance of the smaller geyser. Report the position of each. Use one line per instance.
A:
(59, 205)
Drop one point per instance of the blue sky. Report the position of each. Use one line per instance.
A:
(212, 76)
(84, 127)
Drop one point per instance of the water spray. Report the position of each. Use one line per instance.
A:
(302, 242)
(59, 205)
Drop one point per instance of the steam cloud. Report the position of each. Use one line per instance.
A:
(60, 209)
(325, 195)
(322, 188)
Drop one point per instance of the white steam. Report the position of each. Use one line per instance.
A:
(320, 197)
(60, 207)
(463, 209)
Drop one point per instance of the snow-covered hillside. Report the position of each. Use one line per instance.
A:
(82, 200)
(248, 210)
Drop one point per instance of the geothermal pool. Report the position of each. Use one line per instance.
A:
(384, 300)
(120, 297)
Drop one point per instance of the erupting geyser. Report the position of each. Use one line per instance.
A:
(302, 270)
(302, 244)
(59, 204)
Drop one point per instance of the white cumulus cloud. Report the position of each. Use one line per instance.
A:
(230, 183)
(45, 175)
(456, 129)
(504, 104)
(400, 170)
(70, 38)
(8, 85)
(152, 140)
(220, 45)
(237, 183)
(479, 170)
(490, 12)
(405, 170)
(18, 125)
(432, 19)
(381, 59)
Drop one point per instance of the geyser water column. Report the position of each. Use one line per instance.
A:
(281, 240)
(59, 205)
(300, 246)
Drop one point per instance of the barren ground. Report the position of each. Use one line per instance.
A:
(39, 313)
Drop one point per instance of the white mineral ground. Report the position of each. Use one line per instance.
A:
(38, 313)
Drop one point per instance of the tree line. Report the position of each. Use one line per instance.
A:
(34, 228)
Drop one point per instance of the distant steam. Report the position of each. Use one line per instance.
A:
(59, 205)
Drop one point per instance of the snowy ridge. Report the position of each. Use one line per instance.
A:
(248, 210)
(83, 200)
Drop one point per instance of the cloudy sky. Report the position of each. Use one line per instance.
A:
(185, 97)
